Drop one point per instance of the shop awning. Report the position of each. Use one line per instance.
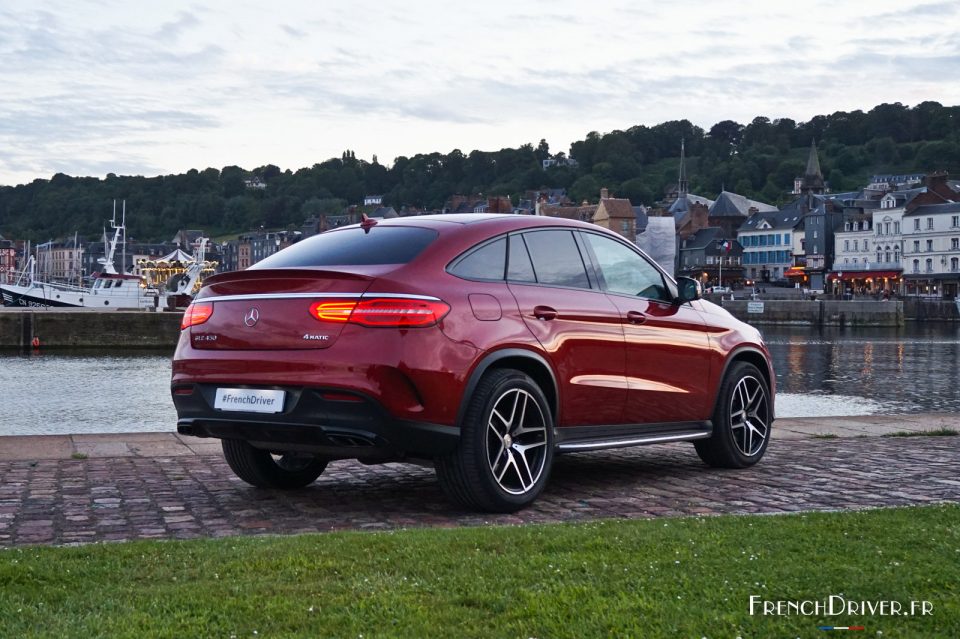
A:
(795, 271)
(849, 276)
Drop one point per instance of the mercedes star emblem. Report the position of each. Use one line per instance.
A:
(252, 317)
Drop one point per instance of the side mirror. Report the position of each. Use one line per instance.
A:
(688, 289)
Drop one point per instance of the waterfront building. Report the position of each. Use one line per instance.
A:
(871, 256)
(711, 257)
(870, 259)
(931, 251)
(8, 260)
(771, 242)
(65, 261)
(244, 253)
(250, 248)
(230, 255)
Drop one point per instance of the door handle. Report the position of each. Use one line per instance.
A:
(544, 313)
(636, 317)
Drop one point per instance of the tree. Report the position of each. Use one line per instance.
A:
(586, 188)
(232, 181)
(636, 191)
(728, 133)
(543, 151)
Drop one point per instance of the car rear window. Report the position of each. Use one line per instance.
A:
(354, 247)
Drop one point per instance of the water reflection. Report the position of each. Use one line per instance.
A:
(860, 371)
(85, 392)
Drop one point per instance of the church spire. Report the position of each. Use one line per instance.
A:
(682, 182)
(813, 177)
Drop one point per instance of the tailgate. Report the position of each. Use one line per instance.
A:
(271, 309)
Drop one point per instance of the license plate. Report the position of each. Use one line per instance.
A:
(249, 400)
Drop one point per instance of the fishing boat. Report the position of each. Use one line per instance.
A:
(109, 288)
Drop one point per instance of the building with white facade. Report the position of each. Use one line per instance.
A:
(931, 250)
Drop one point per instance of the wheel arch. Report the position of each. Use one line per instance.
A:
(753, 356)
(529, 362)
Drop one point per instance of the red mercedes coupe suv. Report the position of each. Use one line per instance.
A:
(486, 344)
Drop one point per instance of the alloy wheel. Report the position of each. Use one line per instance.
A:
(749, 413)
(516, 440)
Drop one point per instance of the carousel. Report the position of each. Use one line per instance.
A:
(179, 273)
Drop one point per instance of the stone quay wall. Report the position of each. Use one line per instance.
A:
(842, 312)
(818, 312)
(59, 328)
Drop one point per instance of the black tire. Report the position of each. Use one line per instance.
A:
(259, 468)
(741, 420)
(521, 455)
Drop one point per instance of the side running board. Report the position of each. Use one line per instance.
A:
(585, 438)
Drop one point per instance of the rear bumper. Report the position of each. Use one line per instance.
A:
(327, 422)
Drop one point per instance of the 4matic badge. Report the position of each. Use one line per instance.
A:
(317, 338)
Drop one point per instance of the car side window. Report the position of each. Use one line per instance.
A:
(556, 258)
(625, 271)
(484, 263)
(519, 268)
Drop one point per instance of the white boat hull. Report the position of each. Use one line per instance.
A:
(42, 295)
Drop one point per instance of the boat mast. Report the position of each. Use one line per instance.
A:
(78, 255)
(123, 225)
(107, 262)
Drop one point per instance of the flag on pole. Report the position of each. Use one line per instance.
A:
(726, 246)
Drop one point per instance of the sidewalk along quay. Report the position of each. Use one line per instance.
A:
(93, 488)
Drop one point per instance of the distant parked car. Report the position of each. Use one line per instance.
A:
(486, 344)
(719, 289)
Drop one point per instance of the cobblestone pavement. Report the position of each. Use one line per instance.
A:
(122, 498)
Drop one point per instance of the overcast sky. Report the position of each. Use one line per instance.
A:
(93, 87)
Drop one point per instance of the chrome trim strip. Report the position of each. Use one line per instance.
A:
(622, 443)
(291, 296)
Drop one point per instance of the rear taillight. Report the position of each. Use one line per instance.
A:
(196, 313)
(382, 311)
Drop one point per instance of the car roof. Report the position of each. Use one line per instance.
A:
(502, 221)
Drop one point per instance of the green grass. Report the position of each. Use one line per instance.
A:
(825, 436)
(690, 577)
(939, 432)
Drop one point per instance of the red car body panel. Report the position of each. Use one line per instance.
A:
(584, 344)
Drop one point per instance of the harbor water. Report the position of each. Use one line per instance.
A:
(819, 373)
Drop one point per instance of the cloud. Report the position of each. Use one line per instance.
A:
(916, 67)
(69, 118)
(171, 31)
(926, 10)
(291, 31)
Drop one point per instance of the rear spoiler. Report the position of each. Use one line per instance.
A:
(290, 280)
